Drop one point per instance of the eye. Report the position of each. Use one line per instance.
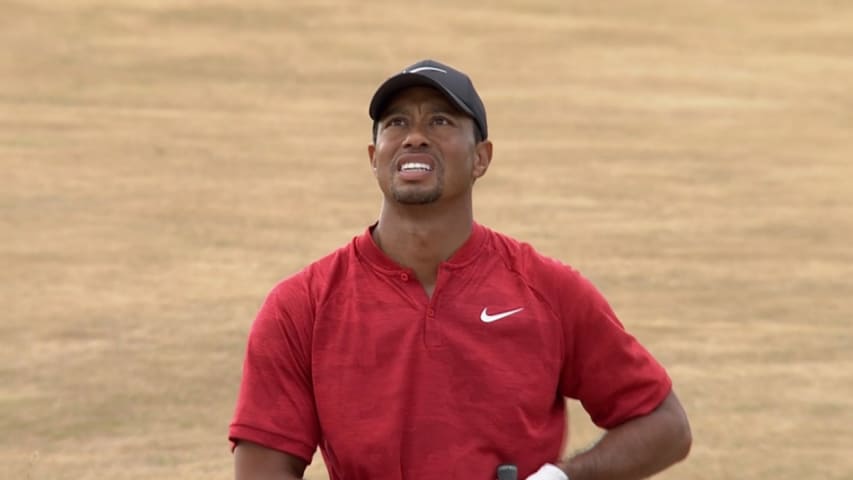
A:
(440, 120)
(395, 121)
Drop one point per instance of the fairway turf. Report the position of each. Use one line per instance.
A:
(165, 163)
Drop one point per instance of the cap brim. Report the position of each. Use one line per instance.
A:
(385, 93)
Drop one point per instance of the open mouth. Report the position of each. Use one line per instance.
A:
(415, 167)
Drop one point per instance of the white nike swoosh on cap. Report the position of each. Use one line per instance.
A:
(421, 69)
(486, 318)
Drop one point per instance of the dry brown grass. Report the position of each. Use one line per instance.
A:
(164, 163)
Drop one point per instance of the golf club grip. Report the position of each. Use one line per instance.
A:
(507, 471)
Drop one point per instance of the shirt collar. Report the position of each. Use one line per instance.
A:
(366, 247)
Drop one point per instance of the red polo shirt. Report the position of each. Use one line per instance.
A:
(351, 355)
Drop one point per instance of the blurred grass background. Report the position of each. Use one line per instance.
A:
(166, 162)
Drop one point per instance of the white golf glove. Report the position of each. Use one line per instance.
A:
(548, 472)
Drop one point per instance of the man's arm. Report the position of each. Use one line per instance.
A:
(636, 449)
(256, 462)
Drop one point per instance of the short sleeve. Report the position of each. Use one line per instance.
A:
(275, 405)
(613, 376)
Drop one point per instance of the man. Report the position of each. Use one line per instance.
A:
(431, 347)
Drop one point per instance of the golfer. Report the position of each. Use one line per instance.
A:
(433, 348)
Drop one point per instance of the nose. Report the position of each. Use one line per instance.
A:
(415, 138)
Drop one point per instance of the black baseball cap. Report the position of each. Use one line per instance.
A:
(455, 85)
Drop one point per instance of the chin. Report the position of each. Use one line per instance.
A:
(410, 197)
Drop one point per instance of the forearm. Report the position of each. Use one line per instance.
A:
(636, 449)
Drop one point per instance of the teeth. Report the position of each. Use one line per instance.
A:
(408, 167)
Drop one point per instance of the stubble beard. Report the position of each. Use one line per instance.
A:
(412, 196)
(419, 194)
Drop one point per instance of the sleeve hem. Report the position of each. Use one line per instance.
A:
(655, 400)
(274, 441)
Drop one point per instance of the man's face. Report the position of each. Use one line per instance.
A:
(425, 149)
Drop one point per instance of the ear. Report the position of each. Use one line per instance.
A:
(482, 159)
(371, 152)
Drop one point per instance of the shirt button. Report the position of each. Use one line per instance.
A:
(404, 277)
(430, 312)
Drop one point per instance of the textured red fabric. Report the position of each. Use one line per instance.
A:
(351, 355)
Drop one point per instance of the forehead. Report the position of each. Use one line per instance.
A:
(419, 97)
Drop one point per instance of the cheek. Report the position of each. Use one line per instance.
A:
(384, 152)
(380, 161)
(466, 159)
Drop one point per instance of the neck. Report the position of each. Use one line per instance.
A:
(420, 237)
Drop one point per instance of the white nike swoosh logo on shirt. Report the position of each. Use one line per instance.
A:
(486, 318)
